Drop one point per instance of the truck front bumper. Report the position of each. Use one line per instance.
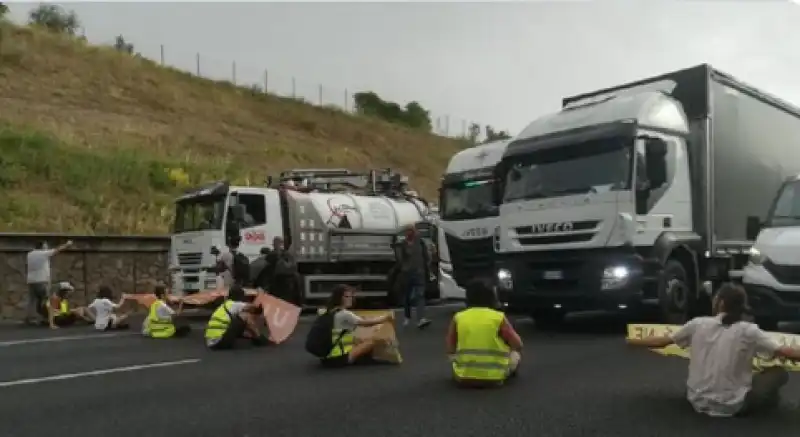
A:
(567, 281)
(769, 298)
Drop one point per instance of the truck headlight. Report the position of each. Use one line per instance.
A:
(504, 280)
(756, 257)
(615, 277)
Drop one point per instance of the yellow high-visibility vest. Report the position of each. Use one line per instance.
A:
(158, 327)
(480, 352)
(219, 322)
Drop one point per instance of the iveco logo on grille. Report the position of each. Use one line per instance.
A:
(541, 228)
(475, 232)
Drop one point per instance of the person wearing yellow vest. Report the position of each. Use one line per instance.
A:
(58, 308)
(346, 349)
(233, 320)
(160, 322)
(483, 347)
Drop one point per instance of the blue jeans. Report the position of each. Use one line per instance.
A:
(414, 296)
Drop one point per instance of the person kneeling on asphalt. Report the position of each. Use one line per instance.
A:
(233, 320)
(59, 314)
(160, 321)
(721, 382)
(483, 347)
(333, 332)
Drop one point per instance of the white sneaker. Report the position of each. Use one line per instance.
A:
(405, 323)
(423, 323)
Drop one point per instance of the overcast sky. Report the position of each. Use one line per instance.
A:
(497, 63)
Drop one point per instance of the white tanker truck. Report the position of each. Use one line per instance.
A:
(339, 224)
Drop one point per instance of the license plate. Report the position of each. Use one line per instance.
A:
(553, 274)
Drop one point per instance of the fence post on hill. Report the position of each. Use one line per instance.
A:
(233, 68)
(294, 88)
(320, 95)
(162, 55)
(266, 81)
(346, 100)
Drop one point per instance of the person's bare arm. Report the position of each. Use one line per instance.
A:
(767, 346)
(683, 338)
(62, 248)
(375, 320)
(510, 336)
(51, 314)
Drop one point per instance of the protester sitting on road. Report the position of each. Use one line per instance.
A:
(161, 319)
(345, 349)
(59, 312)
(483, 347)
(233, 320)
(721, 382)
(104, 309)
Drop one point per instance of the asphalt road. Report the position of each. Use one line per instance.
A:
(581, 381)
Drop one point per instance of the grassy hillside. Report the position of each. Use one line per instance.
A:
(95, 141)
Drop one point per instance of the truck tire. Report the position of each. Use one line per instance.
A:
(675, 294)
(548, 320)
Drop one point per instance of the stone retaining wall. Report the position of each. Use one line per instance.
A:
(125, 264)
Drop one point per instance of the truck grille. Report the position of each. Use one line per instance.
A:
(470, 258)
(190, 259)
(789, 275)
(581, 231)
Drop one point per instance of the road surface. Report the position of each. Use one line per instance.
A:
(581, 381)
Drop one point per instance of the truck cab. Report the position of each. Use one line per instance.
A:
(772, 274)
(468, 218)
(339, 225)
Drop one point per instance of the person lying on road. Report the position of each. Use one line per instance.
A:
(59, 314)
(483, 347)
(721, 382)
(104, 309)
(233, 320)
(161, 318)
(346, 350)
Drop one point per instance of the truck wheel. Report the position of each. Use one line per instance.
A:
(674, 293)
(548, 320)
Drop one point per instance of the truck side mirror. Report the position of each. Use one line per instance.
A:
(754, 226)
(656, 162)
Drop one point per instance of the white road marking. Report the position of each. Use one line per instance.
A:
(64, 338)
(96, 372)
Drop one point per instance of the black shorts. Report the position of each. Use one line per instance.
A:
(235, 331)
(65, 319)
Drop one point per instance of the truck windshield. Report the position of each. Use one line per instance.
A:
(468, 200)
(199, 213)
(591, 167)
(787, 207)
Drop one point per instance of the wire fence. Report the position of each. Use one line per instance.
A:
(273, 82)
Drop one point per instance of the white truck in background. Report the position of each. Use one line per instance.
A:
(772, 275)
(339, 225)
(640, 195)
(468, 218)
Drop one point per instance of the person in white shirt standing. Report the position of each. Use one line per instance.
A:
(721, 382)
(38, 279)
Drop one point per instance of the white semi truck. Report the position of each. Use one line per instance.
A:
(640, 195)
(339, 224)
(468, 218)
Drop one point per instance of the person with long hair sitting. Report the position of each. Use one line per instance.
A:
(346, 350)
(483, 347)
(722, 347)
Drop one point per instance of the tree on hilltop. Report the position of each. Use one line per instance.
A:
(55, 19)
(412, 115)
(3, 9)
(493, 135)
(120, 44)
